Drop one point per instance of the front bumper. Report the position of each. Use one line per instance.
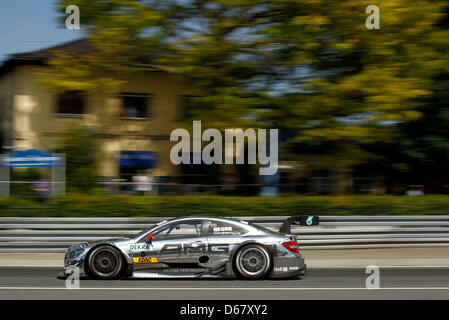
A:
(286, 267)
(71, 264)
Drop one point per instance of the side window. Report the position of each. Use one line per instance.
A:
(179, 230)
(220, 228)
(161, 233)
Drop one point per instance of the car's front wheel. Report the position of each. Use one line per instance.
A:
(252, 262)
(105, 262)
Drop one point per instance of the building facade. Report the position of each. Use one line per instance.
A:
(133, 127)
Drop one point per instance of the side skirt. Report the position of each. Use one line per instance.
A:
(155, 275)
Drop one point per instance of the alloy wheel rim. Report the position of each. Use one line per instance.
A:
(253, 261)
(105, 262)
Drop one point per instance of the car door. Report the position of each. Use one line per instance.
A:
(182, 242)
(145, 252)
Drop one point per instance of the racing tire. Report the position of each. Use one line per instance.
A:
(104, 263)
(252, 262)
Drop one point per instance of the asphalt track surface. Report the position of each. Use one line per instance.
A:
(320, 283)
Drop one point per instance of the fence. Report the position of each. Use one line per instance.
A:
(313, 186)
(334, 232)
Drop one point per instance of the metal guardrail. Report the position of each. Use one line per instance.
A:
(334, 232)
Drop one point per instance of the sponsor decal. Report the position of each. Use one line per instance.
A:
(309, 221)
(294, 268)
(145, 260)
(145, 274)
(222, 230)
(180, 248)
(183, 270)
(282, 269)
(286, 269)
(218, 229)
(139, 247)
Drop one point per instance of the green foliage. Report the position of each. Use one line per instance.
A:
(310, 68)
(79, 147)
(367, 81)
(24, 175)
(78, 205)
(114, 28)
(422, 152)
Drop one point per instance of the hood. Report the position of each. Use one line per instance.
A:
(107, 240)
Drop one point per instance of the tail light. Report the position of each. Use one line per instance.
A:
(291, 246)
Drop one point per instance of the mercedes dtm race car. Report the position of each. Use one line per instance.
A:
(193, 247)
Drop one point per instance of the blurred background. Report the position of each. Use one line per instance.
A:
(89, 112)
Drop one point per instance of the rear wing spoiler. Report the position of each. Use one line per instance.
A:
(298, 220)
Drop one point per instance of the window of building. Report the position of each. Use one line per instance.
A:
(135, 105)
(71, 103)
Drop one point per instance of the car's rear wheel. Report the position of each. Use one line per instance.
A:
(252, 261)
(105, 262)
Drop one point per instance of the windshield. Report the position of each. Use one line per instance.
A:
(141, 233)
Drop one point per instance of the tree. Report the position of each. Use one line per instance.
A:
(364, 83)
(421, 153)
(79, 147)
(310, 68)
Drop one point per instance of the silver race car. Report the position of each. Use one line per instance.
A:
(193, 247)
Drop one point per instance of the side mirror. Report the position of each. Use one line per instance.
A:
(150, 238)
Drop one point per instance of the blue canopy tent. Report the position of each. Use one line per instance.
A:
(138, 159)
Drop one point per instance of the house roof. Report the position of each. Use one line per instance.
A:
(39, 57)
(77, 46)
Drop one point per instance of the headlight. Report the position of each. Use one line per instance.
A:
(76, 253)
